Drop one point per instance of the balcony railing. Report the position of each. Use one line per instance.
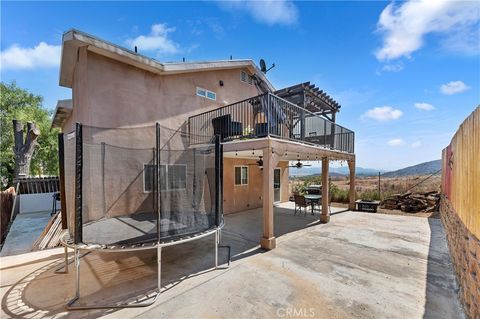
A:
(269, 115)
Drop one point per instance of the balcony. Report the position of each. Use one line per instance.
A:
(269, 115)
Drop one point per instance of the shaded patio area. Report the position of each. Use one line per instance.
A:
(359, 265)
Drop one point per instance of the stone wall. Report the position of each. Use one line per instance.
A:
(465, 251)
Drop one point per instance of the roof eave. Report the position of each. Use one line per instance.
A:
(74, 39)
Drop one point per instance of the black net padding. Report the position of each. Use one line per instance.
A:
(123, 203)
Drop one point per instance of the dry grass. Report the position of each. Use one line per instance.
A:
(367, 186)
(392, 185)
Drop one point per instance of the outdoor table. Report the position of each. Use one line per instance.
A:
(313, 199)
(367, 206)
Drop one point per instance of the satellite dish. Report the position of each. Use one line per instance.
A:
(263, 66)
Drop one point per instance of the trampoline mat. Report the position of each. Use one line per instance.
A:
(142, 228)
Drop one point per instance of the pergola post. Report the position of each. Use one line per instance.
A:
(351, 193)
(325, 216)
(268, 239)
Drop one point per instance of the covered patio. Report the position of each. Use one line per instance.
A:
(273, 150)
(359, 265)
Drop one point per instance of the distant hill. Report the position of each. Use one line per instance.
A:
(334, 171)
(358, 171)
(419, 169)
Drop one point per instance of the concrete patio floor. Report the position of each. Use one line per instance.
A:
(359, 265)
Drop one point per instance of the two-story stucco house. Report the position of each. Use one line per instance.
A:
(261, 128)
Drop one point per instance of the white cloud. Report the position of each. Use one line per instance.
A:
(405, 25)
(416, 144)
(424, 106)
(41, 56)
(395, 67)
(454, 87)
(383, 114)
(268, 11)
(396, 142)
(157, 40)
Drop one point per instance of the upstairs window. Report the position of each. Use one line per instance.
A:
(206, 94)
(241, 175)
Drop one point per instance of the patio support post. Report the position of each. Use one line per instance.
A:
(325, 216)
(351, 193)
(268, 240)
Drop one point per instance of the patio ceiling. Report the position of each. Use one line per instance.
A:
(287, 150)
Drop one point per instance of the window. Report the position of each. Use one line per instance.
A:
(177, 177)
(206, 94)
(148, 174)
(211, 95)
(245, 77)
(201, 92)
(172, 177)
(241, 175)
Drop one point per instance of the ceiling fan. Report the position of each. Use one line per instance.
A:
(299, 164)
(259, 163)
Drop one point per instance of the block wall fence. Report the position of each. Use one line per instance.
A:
(460, 209)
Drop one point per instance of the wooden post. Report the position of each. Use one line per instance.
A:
(351, 193)
(379, 190)
(268, 240)
(325, 216)
(24, 150)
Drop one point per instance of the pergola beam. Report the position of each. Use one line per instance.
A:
(310, 97)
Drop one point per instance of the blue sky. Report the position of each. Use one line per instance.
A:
(406, 74)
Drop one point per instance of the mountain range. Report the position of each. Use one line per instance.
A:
(419, 169)
(425, 168)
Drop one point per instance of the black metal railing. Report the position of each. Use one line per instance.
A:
(269, 115)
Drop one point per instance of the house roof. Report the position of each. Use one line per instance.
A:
(62, 112)
(74, 39)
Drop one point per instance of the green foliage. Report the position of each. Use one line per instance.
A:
(338, 195)
(17, 103)
(369, 195)
(299, 189)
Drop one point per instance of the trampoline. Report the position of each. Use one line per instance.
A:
(128, 189)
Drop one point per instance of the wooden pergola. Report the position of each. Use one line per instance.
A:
(311, 98)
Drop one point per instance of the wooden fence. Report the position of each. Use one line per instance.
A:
(461, 172)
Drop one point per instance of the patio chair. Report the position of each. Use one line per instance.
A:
(300, 201)
(225, 127)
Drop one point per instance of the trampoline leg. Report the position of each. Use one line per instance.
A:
(216, 248)
(66, 259)
(65, 263)
(76, 257)
(159, 265)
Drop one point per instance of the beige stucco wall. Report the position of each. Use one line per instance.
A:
(242, 197)
(110, 94)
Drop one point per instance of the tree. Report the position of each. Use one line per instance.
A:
(17, 103)
(24, 148)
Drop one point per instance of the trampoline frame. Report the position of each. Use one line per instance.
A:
(77, 242)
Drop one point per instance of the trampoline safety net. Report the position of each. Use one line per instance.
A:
(131, 186)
